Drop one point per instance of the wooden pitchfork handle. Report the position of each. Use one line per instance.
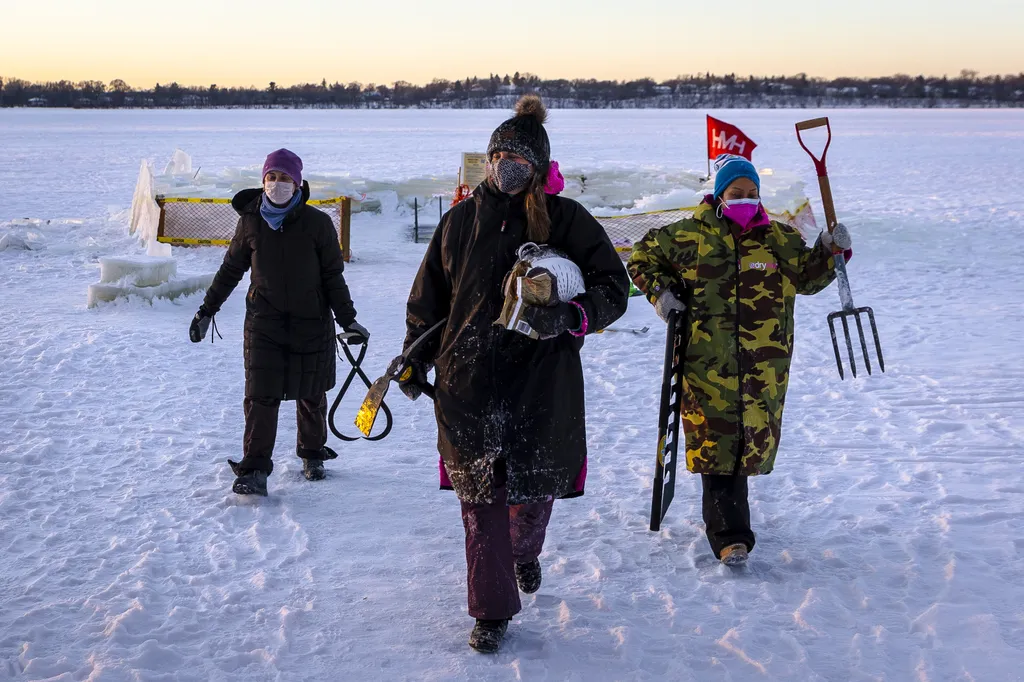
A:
(819, 166)
(845, 293)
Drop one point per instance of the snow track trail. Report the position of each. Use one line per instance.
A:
(890, 539)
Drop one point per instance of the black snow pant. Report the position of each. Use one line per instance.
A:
(261, 430)
(497, 537)
(726, 512)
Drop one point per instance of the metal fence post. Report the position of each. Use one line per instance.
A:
(416, 219)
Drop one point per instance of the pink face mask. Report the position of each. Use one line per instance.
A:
(741, 211)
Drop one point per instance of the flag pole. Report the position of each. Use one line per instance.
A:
(707, 124)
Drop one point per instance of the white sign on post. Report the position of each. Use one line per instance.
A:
(474, 169)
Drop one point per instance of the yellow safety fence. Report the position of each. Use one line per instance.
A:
(191, 221)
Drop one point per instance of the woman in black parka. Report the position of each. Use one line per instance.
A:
(296, 284)
(510, 409)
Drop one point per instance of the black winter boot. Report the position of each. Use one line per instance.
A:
(251, 482)
(528, 575)
(313, 462)
(313, 469)
(487, 635)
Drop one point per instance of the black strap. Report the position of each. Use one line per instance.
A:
(357, 370)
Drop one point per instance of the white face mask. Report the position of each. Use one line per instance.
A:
(742, 202)
(279, 192)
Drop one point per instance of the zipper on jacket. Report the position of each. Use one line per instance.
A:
(739, 363)
(495, 332)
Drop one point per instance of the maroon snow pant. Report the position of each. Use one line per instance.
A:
(497, 537)
(261, 429)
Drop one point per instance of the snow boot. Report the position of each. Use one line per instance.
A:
(313, 469)
(528, 575)
(249, 481)
(313, 462)
(487, 635)
(734, 555)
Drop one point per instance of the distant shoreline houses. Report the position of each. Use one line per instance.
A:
(687, 92)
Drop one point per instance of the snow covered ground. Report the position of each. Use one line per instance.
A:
(890, 538)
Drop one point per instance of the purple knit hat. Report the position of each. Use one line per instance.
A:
(284, 161)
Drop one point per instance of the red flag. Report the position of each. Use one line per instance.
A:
(725, 138)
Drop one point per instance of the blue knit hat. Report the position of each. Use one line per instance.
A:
(729, 168)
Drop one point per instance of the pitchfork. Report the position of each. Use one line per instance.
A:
(845, 295)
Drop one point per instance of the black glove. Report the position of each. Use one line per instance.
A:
(550, 321)
(361, 335)
(413, 380)
(200, 325)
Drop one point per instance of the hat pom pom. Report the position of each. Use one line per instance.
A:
(531, 105)
(555, 182)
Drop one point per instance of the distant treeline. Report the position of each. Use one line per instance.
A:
(683, 92)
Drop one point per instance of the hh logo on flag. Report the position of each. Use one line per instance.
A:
(725, 138)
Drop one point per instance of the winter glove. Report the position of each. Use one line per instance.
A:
(200, 325)
(666, 303)
(359, 331)
(551, 321)
(839, 239)
(413, 380)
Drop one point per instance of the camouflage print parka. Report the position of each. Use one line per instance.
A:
(740, 291)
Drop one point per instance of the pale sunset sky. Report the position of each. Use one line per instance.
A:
(227, 42)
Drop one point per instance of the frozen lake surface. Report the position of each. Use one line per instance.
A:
(890, 537)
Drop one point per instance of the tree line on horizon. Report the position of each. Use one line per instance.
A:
(691, 91)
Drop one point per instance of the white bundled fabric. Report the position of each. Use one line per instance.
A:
(542, 276)
(567, 274)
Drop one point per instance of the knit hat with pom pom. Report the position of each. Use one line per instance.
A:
(524, 134)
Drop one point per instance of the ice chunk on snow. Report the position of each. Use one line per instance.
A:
(141, 271)
(180, 286)
(180, 164)
(145, 214)
(20, 239)
(145, 217)
(158, 250)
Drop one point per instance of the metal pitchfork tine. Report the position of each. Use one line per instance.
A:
(845, 294)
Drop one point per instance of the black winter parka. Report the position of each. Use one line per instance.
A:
(502, 395)
(296, 284)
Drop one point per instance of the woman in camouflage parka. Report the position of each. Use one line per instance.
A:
(738, 273)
